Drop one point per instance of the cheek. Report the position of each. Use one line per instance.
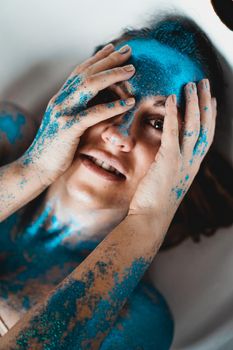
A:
(145, 160)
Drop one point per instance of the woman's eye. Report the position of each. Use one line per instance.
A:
(156, 123)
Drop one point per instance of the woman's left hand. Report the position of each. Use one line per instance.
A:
(170, 175)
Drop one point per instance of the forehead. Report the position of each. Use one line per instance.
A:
(160, 69)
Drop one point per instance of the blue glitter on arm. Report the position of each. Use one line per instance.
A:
(62, 322)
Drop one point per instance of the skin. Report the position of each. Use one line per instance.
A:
(64, 121)
(168, 162)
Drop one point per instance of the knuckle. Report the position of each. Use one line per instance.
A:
(196, 125)
(97, 54)
(77, 70)
(87, 84)
(95, 110)
(87, 80)
(174, 132)
(114, 58)
(114, 71)
(120, 70)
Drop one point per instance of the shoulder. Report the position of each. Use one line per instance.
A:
(17, 131)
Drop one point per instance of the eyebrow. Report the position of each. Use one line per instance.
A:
(159, 103)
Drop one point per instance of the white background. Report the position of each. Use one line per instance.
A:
(40, 43)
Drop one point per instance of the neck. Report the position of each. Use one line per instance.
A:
(71, 223)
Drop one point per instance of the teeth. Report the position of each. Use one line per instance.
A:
(105, 166)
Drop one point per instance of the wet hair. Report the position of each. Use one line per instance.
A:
(208, 204)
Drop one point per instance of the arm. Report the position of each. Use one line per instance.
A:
(52, 151)
(17, 130)
(81, 310)
(19, 184)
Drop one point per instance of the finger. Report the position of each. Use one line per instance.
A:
(98, 113)
(211, 129)
(104, 52)
(116, 58)
(191, 128)
(205, 102)
(170, 135)
(214, 115)
(119, 90)
(96, 83)
(203, 142)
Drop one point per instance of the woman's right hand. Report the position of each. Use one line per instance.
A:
(67, 117)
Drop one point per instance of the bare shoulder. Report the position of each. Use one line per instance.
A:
(17, 131)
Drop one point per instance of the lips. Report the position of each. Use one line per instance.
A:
(107, 175)
(108, 158)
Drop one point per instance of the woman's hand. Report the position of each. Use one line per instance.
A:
(67, 117)
(176, 163)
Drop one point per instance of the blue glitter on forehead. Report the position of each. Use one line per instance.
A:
(160, 69)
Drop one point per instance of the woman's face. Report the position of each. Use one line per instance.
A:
(133, 138)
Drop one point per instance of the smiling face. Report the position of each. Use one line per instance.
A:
(135, 137)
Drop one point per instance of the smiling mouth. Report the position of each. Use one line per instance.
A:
(101, 168)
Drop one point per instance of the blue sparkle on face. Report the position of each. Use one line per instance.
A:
(160, 69)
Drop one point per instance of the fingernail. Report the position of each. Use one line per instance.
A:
(189, 88)
(130, 101)
(129, 68)
(207, 84)
(194, 87)
(174, 99)
(124, 49)
(108, 47)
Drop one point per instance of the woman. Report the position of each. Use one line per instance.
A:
(46, 240)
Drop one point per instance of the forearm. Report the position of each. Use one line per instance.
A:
(79, 313)
(19, 184)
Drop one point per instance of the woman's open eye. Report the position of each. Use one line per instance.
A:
(156, 123)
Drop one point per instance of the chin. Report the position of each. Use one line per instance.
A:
(94, 195)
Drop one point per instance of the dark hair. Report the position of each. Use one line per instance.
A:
(208, 205)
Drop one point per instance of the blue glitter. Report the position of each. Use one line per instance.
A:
(147, 316)
(33, 228)
(110, 105)
(201, 143)
(26, 302)
(54, 327)
(69, 88)
(188, 133)
(178, 191)
(84, 98)
(122, 103)
(11, 126)
(160, 69)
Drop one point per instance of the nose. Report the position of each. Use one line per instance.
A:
(119, 132)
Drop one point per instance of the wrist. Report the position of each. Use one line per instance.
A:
(157, 222)
(33, 172)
